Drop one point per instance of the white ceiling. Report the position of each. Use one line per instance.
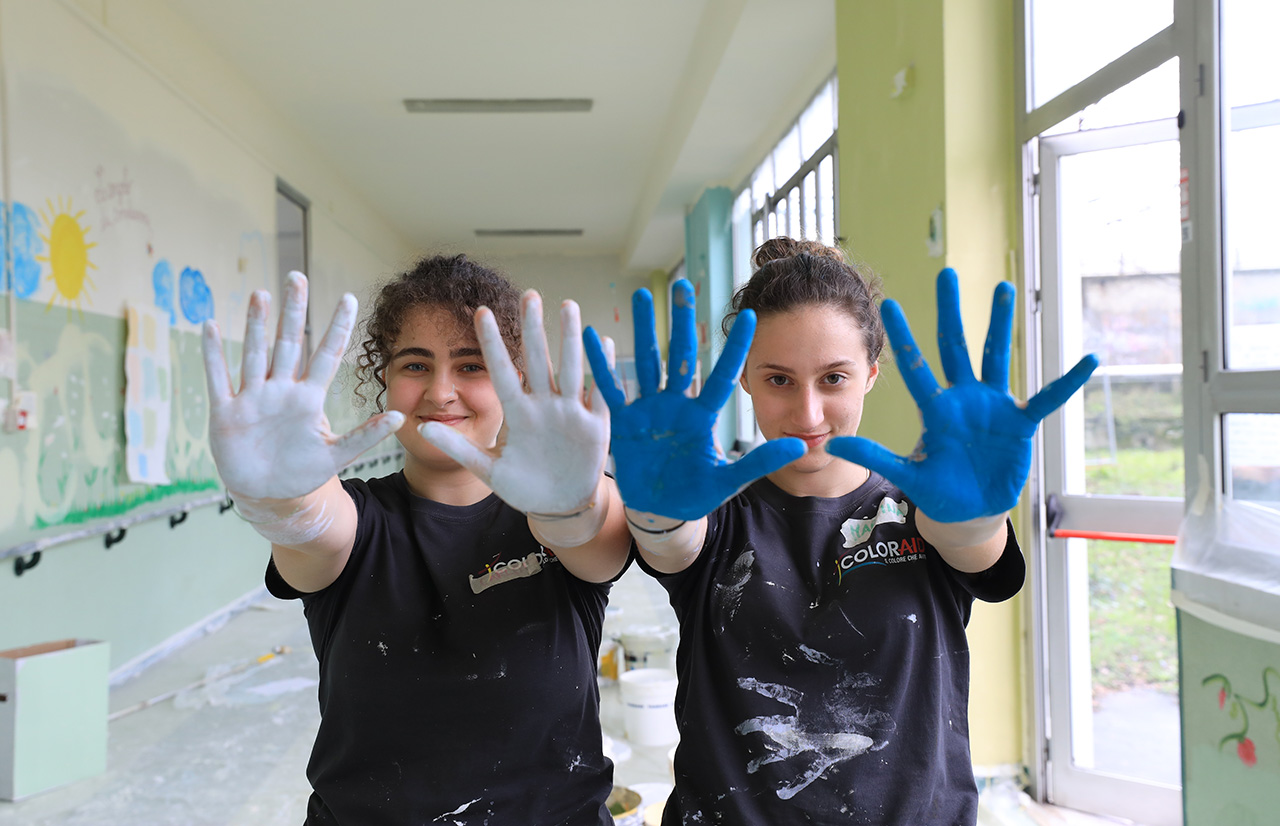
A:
(688, 93)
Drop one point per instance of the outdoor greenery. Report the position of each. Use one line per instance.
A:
(1133, 632)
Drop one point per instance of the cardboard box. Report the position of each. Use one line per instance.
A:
(53, 715)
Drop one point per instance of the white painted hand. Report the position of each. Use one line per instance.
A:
(556, 444)
(271, 440)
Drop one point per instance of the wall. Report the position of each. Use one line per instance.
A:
(1230, 688)
(944, 142)
(185, 107)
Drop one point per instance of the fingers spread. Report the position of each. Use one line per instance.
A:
(1054, 395)
(601, 360)
(253, 358)
(897, 469)
(217, 378)
(361, 438)
(293, 324)
(951, 344)
(648, 360)
(506, 381)
(537, 359)
(682, 354)
(915, 370)
(327, 357)
(570, 350)
(995, 354)
(724, 376)
(765, 459)
(458, 448)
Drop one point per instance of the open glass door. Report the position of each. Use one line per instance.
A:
(1101, 137)
(1110, 285)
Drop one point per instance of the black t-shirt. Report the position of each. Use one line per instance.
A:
(824, 668)
(457, 672)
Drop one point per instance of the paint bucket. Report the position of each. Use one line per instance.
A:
(649, 706)
(624, 806)
(650, 646)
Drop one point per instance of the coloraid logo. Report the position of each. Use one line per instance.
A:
(509, 569)
(857, 535)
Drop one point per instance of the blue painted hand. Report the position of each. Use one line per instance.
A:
(975, 452)
(663, 444)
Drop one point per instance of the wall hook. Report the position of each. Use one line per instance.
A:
(112, 537)
(177, 519)
(21, 566)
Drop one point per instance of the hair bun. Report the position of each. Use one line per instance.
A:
(783, 247)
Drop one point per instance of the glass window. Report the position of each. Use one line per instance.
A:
(1252, 452)
(1060, 31)
(1151, 97)
(1251, 180)
(1120, 249)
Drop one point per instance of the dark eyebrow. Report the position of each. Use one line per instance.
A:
(424, 353)
(835, 365)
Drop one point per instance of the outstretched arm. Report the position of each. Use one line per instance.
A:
(272, 444)
(551, 465)
(975, 452)
(669, 472)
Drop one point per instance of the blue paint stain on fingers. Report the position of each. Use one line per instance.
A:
(162, 288)
(21, 222)
(195, 296)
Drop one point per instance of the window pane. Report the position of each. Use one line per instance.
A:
(810, 190)
(793, 213)
(1151, 97)
(786, 157)
(762, 183)
(827, 200)
(1070, 41)
(1253, 456)
(1251, 177)
(817, 123)
(1120, 250)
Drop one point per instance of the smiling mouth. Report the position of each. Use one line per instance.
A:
(812, 440)
(450, 421)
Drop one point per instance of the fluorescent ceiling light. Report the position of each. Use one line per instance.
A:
(496, 105)
(526, 233)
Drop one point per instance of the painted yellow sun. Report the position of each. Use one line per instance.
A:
(68, 256)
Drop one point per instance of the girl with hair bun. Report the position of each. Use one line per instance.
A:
(456, 605)
(822, 583)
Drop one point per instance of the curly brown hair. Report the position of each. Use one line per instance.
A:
(794, 273)
(455, 284)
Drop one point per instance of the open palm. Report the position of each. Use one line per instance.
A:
(663, 442)
(271, 439)
(975, 451)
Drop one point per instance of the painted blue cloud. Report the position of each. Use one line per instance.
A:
(195, 297)
(27, 244)
(162, 287)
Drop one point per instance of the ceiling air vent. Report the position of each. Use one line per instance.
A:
(470, 106)
(527, 233)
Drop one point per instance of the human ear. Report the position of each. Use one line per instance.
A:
(871, 376)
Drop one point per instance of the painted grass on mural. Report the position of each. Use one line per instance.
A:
(130, 501)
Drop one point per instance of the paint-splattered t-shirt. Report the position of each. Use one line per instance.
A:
(824, 668)
(457, 672)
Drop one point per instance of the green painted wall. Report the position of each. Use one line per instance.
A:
(945, 141)
(709, 266)
(159, 581)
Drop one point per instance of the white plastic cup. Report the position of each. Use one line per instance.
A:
(649, 706)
